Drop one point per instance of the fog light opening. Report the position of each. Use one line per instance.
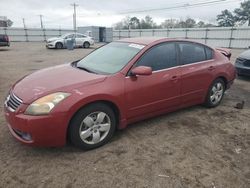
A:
(23, 135)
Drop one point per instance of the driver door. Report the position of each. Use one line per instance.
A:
(156, 92)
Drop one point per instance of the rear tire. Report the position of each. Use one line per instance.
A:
(86, 45)
(215, 93)
(92, 126)
(59, 45)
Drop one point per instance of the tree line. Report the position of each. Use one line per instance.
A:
(226, 18)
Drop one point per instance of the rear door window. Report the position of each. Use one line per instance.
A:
(191, 53)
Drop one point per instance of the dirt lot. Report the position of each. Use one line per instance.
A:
(194, 147)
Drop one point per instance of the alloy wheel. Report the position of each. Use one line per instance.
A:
(95, 127)
(216, 93)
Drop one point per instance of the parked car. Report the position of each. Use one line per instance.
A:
(61, 42)
(242, 64)
(4, 40)
(115, 85)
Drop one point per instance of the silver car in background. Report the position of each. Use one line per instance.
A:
(80, 40)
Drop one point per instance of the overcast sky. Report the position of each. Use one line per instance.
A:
(58, 13)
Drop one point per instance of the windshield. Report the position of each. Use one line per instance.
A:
(110, 58)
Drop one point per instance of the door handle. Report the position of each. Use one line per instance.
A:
(174, 78)
(211, 68)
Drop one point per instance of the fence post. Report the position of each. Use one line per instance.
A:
(168, 32)
(119, 34)
(140, 32)
(60, 31)
(186, 32)
(26, 34)
(153, 32)
(231, 37)
(44, 34)
(206, 32)
(128, 33)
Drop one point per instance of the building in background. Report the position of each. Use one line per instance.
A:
(100, 34)
(3, 21)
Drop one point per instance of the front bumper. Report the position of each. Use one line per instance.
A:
(4, 43)
(50, 45)
(243, 70)
(45, 131)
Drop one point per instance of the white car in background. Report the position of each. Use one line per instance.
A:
(80, 40)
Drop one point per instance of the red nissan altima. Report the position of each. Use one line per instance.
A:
(118, 84)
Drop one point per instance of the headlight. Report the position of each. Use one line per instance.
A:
(45, 104)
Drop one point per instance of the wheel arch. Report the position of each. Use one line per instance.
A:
(109, 103)
(59, 42)
(224, 80)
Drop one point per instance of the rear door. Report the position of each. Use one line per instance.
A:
(197, 70)
(80, 39)
(161, 90)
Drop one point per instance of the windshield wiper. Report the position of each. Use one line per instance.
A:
(74, 64)
(86, 69)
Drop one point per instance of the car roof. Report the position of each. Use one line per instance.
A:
(142, 40)
(74, 33)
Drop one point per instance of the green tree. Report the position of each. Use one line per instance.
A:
(201, 24)
(226, 19)
(243, 13)
(9, 23)
(148, 23)
(135, 23)
(190, 23)
(169, 23)
(123, 24)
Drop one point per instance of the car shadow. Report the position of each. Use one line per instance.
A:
(4, 49)
(244, 78)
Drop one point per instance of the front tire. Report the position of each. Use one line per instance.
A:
(92, 126)
(59, 45)
(215, 93)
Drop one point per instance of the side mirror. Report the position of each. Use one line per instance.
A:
(141, 70)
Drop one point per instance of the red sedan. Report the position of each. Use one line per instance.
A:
(118, 84)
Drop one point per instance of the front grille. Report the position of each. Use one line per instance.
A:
(246, 63)
(13, 102)
(240, 60)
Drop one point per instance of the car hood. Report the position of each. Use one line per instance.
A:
(63, 78)
(245, 55)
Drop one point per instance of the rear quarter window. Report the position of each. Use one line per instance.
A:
(209, 53)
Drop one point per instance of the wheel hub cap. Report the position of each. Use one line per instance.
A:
(95, 127)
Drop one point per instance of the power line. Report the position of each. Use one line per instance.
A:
(185, 5)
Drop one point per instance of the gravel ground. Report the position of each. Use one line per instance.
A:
(194, 147)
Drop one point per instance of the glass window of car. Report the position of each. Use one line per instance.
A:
(191, 53)
(209, 53)
(159, 57)
(80, 36)
(110, 58)
(69, 36)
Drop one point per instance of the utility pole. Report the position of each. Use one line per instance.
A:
(24, 25)
(41, 20)
(74, 16)
(25, 30)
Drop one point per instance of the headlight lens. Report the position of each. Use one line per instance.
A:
(45, 104)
